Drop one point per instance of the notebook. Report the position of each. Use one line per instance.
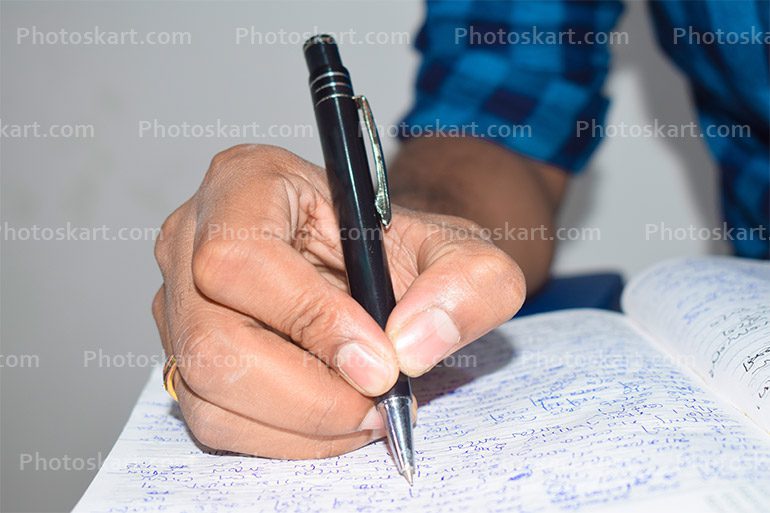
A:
(664, 407)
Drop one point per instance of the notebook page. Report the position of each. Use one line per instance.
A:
(570, 411)
(714, 314)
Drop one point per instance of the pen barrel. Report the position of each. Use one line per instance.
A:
(351, 184)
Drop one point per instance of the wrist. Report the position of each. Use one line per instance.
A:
(488, 184)
(423, 177)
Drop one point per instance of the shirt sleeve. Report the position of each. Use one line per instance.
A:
(525, 75)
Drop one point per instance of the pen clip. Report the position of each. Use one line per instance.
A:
(382, 196)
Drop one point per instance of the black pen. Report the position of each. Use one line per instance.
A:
(361, 211)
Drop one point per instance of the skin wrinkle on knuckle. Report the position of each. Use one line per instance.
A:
(428, 246)
(177, 302)
(291, 203)
(396, 247)
(306, 197)
(438, 246)
(310, 322)
(311, 238)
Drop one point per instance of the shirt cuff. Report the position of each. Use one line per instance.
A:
(544, 117)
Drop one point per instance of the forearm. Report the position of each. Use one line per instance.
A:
(514, 197)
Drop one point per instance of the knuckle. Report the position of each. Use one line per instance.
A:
(225, 157)
(167, 234)
(313, 323)
(162, 249)
(214, 260)
(275, 152)
(494, 263)
(457, 229)
(206, 429)
(494, 268)
(228, 161)
(157, 305)
(239, 155)
(472, 228)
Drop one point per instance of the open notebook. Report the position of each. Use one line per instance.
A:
(666, 407)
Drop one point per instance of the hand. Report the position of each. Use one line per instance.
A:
(274, 357)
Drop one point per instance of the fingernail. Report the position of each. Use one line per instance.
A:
(372, 420)
(362, 368)
(425, 340)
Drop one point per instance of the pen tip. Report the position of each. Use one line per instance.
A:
(408, 474)
(397, 415)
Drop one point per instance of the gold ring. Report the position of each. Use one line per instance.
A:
(169, 369)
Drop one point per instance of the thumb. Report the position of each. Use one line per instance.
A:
(466, 286)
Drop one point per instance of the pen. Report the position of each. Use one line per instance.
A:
(363, 214)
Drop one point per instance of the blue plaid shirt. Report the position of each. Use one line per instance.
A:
(487, 65)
